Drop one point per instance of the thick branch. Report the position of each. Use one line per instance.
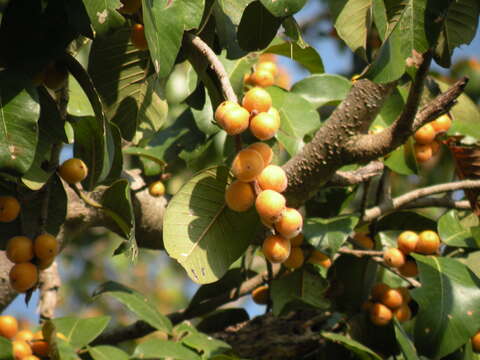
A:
(309, 170)
(363, 147)
(403, 200)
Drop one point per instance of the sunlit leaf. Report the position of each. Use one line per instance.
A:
(201, 233)
(449, 299)
(137, 303)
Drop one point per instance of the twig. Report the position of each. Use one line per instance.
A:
(215, 64)
(363, 174)
(377, 256)
(85, 198)
(364, 201)
(411, 196)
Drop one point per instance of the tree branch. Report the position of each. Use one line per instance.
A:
(309, 170)
(215, 64)
(49, 284)
(371, 146)
(363, 174)
(413, 196)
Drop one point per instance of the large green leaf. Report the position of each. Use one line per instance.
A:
(105, 352)
(405, 343)
(79, 332)
(359, 349)
(104, 16)
(165, 21)
(328, 235)
(307, 56)
(257, 28)
(402, 159)
(322, 89)
(132, 95)
(156, 348)
(459, 28)
(407, 32)
(298, 118)
(454, 233)
(137, 303)
(228, 14)
(201, 233)
(205, 344)
(300, 288)
(91, 146)
(449, 299)
(117, 203)
(19, 114)
(5, 349)
(51, 131)
(352, 20)
(282, 8)
(213, 151)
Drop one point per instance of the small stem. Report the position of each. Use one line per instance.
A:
(85, 198)
(364, 201)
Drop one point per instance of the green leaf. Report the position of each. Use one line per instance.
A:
(328, 235)
(219, 320)
(293, 31)
(322, 89)
(205, 344)
(236, 70)
(5, 349)
(182, 134)
(79, 332)
(407, 32)
(282, 8)
(204, 118)
(51, 131)
(156, 348)
(257, 28)
(214, 151)
(298, 289)
(449, 299)
(401, 220)
(402, 159)
(298, 118)
(459, 28)
(465, 115)
(133, 97)
(117, 203)
(165, 22)
(351, 19)
(308, 57)
(104, 16)
(201, 233)
(389, 64)
(406, 345)
(137, 303)
(359, 349)
(454, 233)
(105, 352)
(228, 14)
(19, 114)
(91, 147)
